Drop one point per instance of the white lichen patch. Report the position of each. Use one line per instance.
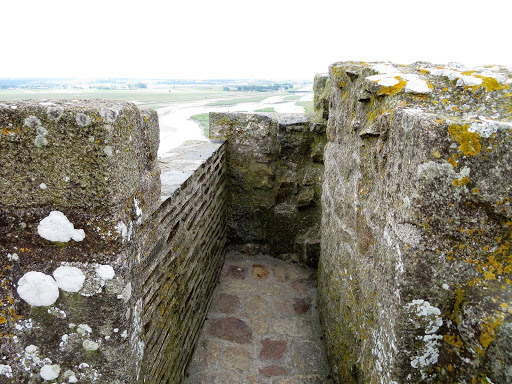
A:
(6, 370)
(122, 230)
(138, 210)
(105, 272)
(456, 74)
(90, 345)
(38, 289)
(413, 82)
(23, 324)
(13, 257)
(50, 372)
(83, 329)
(427, 317)
(108, 151)
(40, 139)
(429, 353)
(388, 82)
(31, 349)
(69, 279)
(43, 186)
(41, 132)
(82, 119)
(55, 113)
(57, 227)
(109, 115)
(486, 127)
(57, 312)
(32, 122)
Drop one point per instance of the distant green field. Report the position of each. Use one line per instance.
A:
(204, 120)
(308, 105)
(154, 98)
(293, 97)
(149, 97)
(269, 109)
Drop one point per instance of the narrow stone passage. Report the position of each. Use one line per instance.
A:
(262, 326)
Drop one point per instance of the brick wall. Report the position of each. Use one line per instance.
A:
(181, 267)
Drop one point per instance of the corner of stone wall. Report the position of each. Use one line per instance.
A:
(79, 178)
(415, 271)
(275, 167)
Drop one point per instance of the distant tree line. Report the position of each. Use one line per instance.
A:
(260, 88)
(121, 86)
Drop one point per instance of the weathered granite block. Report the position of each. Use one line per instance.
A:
(415, 269)
(275, 167)
(78, 181)
(102, 279)
(321, 86)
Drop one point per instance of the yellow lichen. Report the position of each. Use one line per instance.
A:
(489, 327)
(452, 161)
(461, 182)
(2, 320)
(490, 83)
(469, 141)
(455, 341)
(393, 89)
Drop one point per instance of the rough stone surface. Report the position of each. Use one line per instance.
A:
(275, 167)
(130, 281)
(270, 355)
(78, 181)
(414, 277)
(321, 85)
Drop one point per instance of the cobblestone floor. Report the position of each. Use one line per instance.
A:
(262, 327)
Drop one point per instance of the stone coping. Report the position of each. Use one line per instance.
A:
(179, 163)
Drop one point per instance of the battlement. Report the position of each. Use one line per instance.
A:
(398, 188)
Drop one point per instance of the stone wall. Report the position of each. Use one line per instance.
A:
(89, 253)
(275, 167)
(181, 267)
(415, 270)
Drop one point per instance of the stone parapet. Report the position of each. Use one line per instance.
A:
(102, 277)
(415, 270)
(275, 167)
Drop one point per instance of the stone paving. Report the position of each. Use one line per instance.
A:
(262, 326)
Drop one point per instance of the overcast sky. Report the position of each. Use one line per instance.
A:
(275, 39)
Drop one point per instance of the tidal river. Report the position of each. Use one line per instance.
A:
(176, 126)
